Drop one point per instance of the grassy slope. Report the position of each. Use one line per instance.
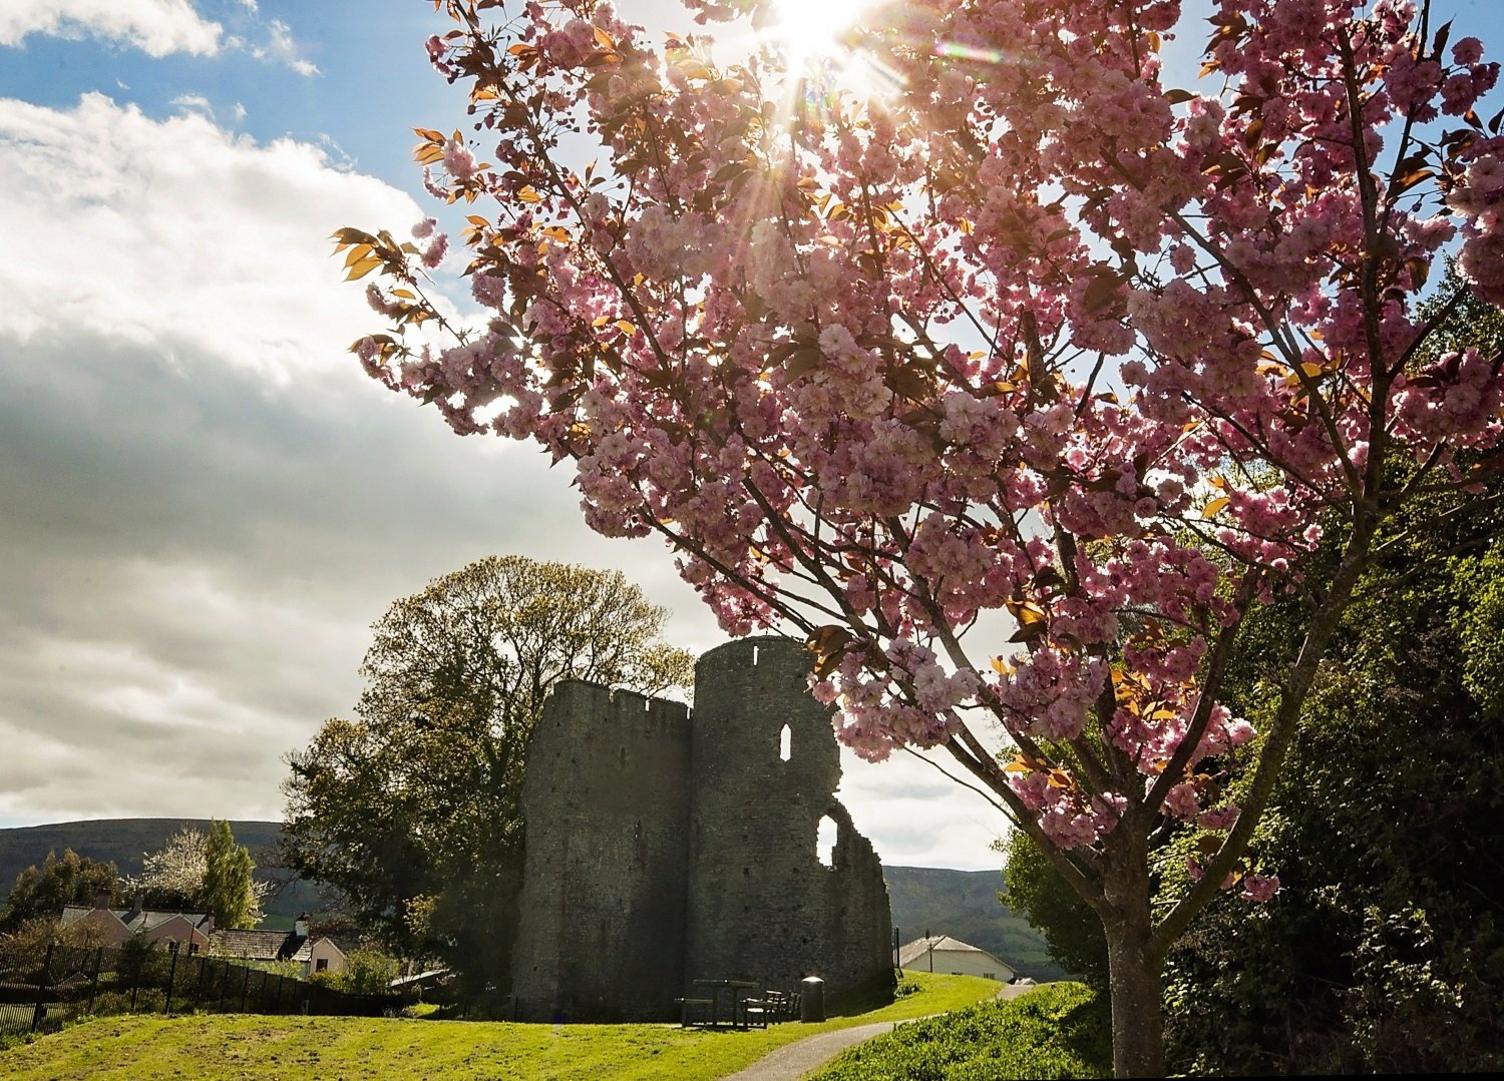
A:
(964, 904)
(1057, 1031)
(206, 1047)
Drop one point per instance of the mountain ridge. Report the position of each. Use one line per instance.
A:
(923, 900)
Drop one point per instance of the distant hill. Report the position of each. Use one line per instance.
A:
(963, 904)
(126, 840)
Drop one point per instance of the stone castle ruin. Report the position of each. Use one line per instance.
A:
(665, 846)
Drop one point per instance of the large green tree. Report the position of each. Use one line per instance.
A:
(1384, 951)
(69, 879)
(228, 890)
(411, 808)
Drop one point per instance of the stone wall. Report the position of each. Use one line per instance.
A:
(662, 848)
(606, 797)
(762, 905)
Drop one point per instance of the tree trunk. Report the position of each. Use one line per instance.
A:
(1133, 964)
(1133, 974)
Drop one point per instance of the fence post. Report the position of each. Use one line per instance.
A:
(41, 1007)
(261, 994)
(172, 971)
(198, 986)
(277, 1004)
(245, 985)
(224, 983)
(94, 980)
(138, 964)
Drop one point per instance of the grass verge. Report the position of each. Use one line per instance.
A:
(142, 1048)
(1058, 1031)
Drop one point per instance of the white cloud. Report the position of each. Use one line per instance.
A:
(157, 27)
(219, 231)
(281, 47)
(194, 102)
(278, 47)
(205, 504)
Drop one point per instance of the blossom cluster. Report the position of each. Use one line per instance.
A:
(1027, 333)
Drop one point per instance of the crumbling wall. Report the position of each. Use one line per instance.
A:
(606, 798)
(762, 905)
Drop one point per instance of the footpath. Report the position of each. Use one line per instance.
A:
(792, 1061)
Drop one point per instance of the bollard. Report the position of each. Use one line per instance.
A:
(812, 999)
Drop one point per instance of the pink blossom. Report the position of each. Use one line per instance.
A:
(459, 161)
(1260, 888)
(1027, 349)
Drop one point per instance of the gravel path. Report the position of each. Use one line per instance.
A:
(792, 1061)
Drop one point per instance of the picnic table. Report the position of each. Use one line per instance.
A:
(736, 991)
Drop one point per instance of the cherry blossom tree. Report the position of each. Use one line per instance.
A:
(962, 309)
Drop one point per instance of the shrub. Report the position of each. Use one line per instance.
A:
(1056, 1031)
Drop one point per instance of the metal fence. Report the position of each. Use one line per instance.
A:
(44, 987)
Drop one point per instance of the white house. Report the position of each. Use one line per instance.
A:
(316, 953)
(941, 953)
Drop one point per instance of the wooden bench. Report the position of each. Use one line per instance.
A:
(687, 1004)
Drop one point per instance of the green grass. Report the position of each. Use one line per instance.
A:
(1057, 1031)
(243, 1046)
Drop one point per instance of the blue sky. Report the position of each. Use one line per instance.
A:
(203, 503)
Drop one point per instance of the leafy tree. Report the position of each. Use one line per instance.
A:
(228, 890)
(42, 892)
(1035, 889)
(1385, 950)
(173, 876)
(411, 808)
(176, 876)
(1011, 326)
(368, 971)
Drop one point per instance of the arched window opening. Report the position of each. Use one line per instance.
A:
(825, 841)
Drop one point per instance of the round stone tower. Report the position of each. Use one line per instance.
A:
(764, 903)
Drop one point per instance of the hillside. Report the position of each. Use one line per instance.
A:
(126, 840)
(959, 903)
(964, 904)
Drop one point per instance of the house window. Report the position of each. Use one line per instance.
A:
(192, 948)
(321, 965)
(989, 975)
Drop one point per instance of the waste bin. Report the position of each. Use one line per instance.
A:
(812, 999)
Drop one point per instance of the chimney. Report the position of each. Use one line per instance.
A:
(138, 904)
(102, 899)
(300, 925)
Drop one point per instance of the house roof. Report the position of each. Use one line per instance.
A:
(256, 945)
(137, 920)
(343, 943)
(914, 951)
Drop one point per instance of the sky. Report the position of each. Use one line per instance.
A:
(203, 503)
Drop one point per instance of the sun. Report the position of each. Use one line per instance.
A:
(811, 31)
